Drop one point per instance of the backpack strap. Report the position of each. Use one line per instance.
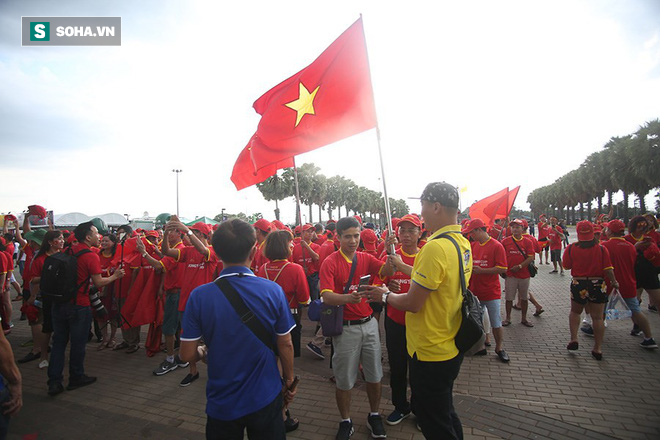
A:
(246, 315)
(86, 281)
(350, 277)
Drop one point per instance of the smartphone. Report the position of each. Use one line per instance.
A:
(364, 281)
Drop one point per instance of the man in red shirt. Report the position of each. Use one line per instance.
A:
(319, 238)
(409, 231)
(262, 228)
(519, 253)
(544, 230)
(306, 253)
(72, 320)
(488, 262)
(369, 241)
(537, 249)
(359, 342)
(623, 256)
(200, 266)
(556, 238)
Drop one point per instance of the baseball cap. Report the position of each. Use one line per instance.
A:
(262, 224)
(330, 221)
(37, 210)
(201, 227)
(585, 230)
(517, 221)
(369, 239)
(276, 224)
(598, 229)
(616, 225)
(525, 225)
(151, 234)
(474, 224)
(409, 218)
(296, 230)
(307, 226)
(36, 235)
(440, 192)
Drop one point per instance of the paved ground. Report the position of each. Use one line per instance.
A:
(545, 392)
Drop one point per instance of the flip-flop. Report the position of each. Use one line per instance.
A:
(527, 324)
(516, 307)
(538, 312)
(573, 345)
(506, 323)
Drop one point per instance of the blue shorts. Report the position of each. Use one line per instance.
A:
(633, 304)
(493, 307)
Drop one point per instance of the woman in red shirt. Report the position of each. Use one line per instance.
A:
(642, 235)
(291, 277)
(589, 263)
(42, 327)
(108, 267)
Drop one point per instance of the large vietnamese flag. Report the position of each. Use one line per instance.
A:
(329, 100)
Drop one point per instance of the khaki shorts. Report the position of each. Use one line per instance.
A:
(513, 285)
(358, 344)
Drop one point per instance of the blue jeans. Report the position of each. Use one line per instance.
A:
(70, 322)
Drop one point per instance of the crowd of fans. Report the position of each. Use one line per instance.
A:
(127, 279)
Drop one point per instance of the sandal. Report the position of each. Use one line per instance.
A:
(506, 323)
(111, 344)
(527, 324)
(515, 307)
(133, 349)
(573, 345)
(291, 423)
(121, 346)
(538, 312)
(597, 356)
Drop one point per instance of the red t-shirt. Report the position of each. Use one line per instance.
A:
(320, 239)
(487, 255)
(29, 255)
(623, 256)
(515, 257)
(88, 264)
(307, 264)
(4, 264)
(587, 262)
(496, 232)
(334, 275)
(326, 249)
(291, 278)
(535, 243)
(36, 266)
(393, 313)
(259, 258)
(555, 238)
(198, 269)
(173, 271)
(544, 230)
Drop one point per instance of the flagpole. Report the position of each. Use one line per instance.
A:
(388, 214)
(295, 179)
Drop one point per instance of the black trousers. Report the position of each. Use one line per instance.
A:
(264, 424)
(296, 334)
(397, 353)
(432, 385)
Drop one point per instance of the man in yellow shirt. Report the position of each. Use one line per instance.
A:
(433, 314)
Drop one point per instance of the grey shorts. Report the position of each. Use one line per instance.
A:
(171, 313)
(493, 307)
(358, 344)
(513, 285)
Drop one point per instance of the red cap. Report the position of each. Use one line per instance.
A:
(307, 226)
(517, 221)
(37, 210)
(409, 218)
(474, 224)
(263, 225)
(598, 229)
(202, 227)
(616, 225)
(10, 218)
(358, 218)
(585, 230)
(151, 234)
(330, 221)
(277, 224)
(524, 223)
(71, 238)
(395, 222)
(215, 226)
(296, 230)
(369, 239)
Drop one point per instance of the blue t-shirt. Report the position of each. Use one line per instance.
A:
(243, 374)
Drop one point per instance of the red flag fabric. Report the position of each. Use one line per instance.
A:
(245, 171)
(140, 307)
(492, 207)
(329, 100)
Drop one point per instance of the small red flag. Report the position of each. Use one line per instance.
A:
(329, 100)
(495, 206)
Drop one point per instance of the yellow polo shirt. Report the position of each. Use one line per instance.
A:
(431, 331)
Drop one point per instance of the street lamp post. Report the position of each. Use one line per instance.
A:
(177, 190)
(222, 215)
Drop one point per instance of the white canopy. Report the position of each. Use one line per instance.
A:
(71, 219)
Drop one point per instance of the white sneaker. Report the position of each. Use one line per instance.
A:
(43, 364)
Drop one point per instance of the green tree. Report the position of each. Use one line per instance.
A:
(276, 188)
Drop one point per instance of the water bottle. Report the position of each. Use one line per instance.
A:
(38, 303)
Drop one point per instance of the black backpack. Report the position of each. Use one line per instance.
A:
(59, 277)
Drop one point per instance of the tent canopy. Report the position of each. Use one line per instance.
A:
(207, 220)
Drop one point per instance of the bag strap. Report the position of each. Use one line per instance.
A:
(350, 277)
(278, 272)
(521, 251)
(246, 315)
(460, 260)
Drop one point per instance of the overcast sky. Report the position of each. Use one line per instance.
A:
(480, 94)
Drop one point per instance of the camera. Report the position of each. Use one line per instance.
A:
(95, 302)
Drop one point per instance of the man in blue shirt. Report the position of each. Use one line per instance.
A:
(11, 396)
(244, 388)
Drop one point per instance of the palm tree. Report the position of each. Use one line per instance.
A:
(319, 192)
(277, 188)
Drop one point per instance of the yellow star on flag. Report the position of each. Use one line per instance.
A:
(304, 105)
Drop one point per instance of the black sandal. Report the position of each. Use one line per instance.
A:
(291, 423)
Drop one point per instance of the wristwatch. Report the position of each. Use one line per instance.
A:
(385, 295)
(189, 232)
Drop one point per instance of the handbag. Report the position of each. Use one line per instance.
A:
(470, 337)
(533, 270)
(332, 317)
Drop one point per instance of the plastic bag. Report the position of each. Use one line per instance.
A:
(617, 307)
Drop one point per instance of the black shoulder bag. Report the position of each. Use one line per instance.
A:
(533, 270)
(246, 315)
(470, 337)
(332, 317)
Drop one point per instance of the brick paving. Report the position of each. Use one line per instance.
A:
(544, 392)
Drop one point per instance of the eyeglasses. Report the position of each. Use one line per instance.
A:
(408, 231)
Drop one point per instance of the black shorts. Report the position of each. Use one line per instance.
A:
(584, 291)
(646, 274)
(555, 255)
